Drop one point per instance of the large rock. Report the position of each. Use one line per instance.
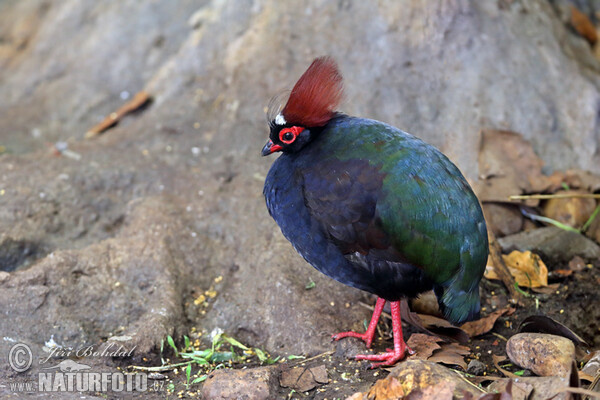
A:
(120, 241)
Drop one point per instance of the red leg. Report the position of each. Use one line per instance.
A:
(400, 347)
(366, 337)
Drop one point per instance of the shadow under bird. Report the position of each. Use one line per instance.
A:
(373, 207)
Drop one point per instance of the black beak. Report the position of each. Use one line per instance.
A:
(270, 148)
(266, 150)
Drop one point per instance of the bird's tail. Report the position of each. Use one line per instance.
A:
(458, 306)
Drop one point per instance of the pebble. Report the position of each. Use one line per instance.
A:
(476, 367)
(255, 383)
(592, 367)
(543, 354)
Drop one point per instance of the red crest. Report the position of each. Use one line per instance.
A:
(316, 95)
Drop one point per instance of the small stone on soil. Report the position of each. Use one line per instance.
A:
(543, 354)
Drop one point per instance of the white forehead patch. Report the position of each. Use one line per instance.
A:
(279, 120)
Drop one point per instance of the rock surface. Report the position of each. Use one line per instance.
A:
(533, 388)
(552, 243)
(543, 354)
(119, 240)
(416, 375)
(255, 384)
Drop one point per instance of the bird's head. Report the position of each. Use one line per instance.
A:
(310, 107)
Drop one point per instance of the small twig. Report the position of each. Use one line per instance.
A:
(502, 270)
(500, 336)
(139, 100)
(327, 353)
(554, 196)
(167, 367)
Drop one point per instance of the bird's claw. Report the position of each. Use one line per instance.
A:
(386, 359)
(408, 350)
(365, 337)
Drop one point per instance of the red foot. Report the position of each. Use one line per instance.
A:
(408, 350)
(365, 337)
(387, 358)
(391, 356)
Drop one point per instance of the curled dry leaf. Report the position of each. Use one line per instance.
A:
(497, 360)
(486, 324)
(528, 269)
(423, 345)
(433, 325)
(451, 354)
(508, 165)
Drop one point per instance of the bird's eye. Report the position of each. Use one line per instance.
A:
(288, 135)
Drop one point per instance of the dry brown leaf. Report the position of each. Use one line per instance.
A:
(497, 360)
(503, 219)
(484, 325)
(508, 165)
(550, 289)
(386, 389)
(433, 325)
(519, 390)
(583, 25)
(528, 269)
(423, 345)
(451, 354)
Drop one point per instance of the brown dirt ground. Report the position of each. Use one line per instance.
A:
(575, 296)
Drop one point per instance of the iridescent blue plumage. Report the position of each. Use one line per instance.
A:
(380, 210)
(373, 207)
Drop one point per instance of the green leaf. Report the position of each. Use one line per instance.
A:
(310, 285)
(200, 361)
(272, 360)
(188, 373)
(197, 353)
(200, 379)
(565, 186)
(294, 357)
(234, 342)
(172, 344)
(216, 342)
(222, 356)
(519, 373)
(262, 357)
(187, 342)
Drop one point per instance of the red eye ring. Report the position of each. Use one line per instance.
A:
(288, 135)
